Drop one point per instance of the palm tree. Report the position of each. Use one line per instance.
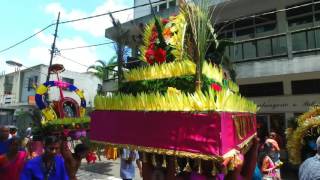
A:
(102, 70)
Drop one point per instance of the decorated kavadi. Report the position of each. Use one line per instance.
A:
(167, 107)
(302, 136)
(65, 115)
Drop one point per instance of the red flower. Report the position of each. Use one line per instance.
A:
(160, 55)
(164, 21)
(150, 55)
(154, 37)
(216, 87)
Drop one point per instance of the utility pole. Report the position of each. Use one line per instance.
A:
(53, 47)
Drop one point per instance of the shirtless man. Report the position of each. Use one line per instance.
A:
(73, 160)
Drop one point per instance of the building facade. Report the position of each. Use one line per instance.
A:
(276, 52)
(17, 90)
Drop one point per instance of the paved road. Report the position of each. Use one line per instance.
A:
(104, 169)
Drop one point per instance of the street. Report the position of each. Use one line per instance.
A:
(104, 169)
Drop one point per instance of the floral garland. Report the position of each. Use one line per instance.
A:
(172, 32)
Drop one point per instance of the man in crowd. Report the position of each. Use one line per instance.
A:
(73, 160)
(48, 166)
(309, 169)
(4, 135)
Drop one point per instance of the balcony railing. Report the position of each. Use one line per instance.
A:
(301, 41)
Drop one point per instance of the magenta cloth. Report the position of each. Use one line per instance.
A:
(12, 169)
(203, 133)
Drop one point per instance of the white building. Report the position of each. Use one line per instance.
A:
(276, 51)
(17, 89)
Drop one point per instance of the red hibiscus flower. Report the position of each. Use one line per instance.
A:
(216, 87)
(150, 56)
(160, 55)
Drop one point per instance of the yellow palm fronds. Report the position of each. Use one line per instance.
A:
(313, 111)
(296, 140)
(165, 70)
(213, 72)
(174, 69)
(233, 86)
(224, 100)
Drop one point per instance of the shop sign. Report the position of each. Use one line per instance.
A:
(298, 103)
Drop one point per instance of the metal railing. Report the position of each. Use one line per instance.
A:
(305, 40)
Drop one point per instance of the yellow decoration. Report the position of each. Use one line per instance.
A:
(82, 111)
(188, 167)
(223, 100)
(175, 69)
(176, 166)
(199, 167)
(164, 162)
(42, 89)
(162, 71)
(154, 161)
(296, 140)
(173, 91)
(167, 152)
(80, 93)
(49, 114)
(214, 170)
(313, 112)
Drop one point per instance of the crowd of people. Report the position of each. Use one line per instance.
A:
(55, 162)
(58, 162)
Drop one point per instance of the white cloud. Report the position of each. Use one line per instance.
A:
(95, 26)
(84, 56)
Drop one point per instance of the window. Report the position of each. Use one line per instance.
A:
(264, 89)
(172, 3)
(311, 86)
(162, 6)
(31, 82)
(68, 80)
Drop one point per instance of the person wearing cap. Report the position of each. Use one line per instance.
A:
(309, 169)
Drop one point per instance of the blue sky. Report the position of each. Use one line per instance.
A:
(20, 19)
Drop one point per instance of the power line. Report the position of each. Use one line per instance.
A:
(66, 58)
(74, 20)
(147, 4)
(93, 45)
(22, 41)
(104, 14)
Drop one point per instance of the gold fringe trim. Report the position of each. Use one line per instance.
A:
(188, 167)
(165, 151)
(245, 145)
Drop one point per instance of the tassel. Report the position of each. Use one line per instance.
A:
(154, 162)
(199, 167)
(176, 166)
(187, 168)
(214, 171)
(231, 164)
(144, 157)
(164, 162)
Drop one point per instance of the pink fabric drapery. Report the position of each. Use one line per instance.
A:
(209, 133)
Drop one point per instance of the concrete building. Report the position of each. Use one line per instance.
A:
(276, 51)
(17, 91)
